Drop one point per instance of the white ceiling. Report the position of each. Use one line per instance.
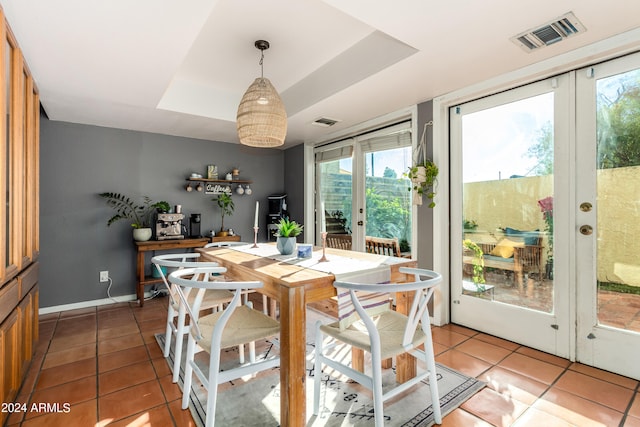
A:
(180, 68)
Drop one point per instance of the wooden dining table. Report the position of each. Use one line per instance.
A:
(294, 286)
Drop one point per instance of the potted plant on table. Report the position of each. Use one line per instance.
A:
(138, 213)
(226, 205)
(286, 234)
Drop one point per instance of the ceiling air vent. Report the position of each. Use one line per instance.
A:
(325, 122)
(552, 32)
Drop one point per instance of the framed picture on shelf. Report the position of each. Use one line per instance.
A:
(212, 172)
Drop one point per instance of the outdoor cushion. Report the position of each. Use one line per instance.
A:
(530, 237)
(504, 248)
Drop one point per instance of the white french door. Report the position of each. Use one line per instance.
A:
(360, 189)
(510, 163)
(607, 213)
(545, 210)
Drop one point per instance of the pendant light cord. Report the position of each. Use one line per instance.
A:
(261, 63)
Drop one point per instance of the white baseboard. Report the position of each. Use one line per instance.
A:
(92, 303)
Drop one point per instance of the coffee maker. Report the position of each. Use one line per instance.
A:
(194, 225)
(169, 226)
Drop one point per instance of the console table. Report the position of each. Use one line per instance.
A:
(159, 245)
(165, 245)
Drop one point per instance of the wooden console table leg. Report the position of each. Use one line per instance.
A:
(140, 285)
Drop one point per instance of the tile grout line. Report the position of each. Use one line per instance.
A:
(636, 390)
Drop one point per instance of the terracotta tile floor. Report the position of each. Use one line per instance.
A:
(106, 364)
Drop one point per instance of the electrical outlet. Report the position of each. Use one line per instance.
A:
(104, 276)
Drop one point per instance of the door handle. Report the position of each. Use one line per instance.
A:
(587, 230)
(360, 223)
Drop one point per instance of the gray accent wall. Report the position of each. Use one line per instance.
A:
(294, 185)
(79, 161)
(425, 214)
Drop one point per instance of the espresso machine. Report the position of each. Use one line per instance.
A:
(277, 210)
(169, 226)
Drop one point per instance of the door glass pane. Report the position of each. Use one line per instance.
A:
(507, 166)
(335, 195)
(618, 208)
(388, 201)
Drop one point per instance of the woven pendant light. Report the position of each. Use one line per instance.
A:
(261, 118)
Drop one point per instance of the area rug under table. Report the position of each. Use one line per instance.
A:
(255, 401)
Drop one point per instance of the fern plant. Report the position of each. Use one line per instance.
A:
(126, 208)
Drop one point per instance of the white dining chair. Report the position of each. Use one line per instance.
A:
(235, 325)
(367, 322)
(265, 300)
(176, 315)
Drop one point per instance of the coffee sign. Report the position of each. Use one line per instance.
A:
(212, 188)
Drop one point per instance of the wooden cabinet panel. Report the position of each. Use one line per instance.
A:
(27, 279)
(9, 359)
(26, 318)
(9, 298)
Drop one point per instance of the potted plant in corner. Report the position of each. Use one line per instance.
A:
(138, 214)
(225, 203)
(286, 234)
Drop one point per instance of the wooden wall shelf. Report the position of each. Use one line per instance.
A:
(215, 186)
(220, 181)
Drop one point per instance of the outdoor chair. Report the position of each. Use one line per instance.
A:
(370, 325)
(382, 246)
(235, 325)
(339, 241)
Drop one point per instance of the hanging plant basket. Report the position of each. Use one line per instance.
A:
(423, 181)
(423, 173)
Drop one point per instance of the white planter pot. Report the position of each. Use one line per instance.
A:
(141, 234)
(420, 175)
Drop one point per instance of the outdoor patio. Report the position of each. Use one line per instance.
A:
(615, 309)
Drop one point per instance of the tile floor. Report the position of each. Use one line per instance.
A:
(105, 363)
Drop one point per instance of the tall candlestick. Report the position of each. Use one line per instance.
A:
(323, 220)
(324, 246)
(255, 237)
(255, 221)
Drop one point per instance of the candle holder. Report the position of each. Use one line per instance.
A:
(324, 245)
(255, 237)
